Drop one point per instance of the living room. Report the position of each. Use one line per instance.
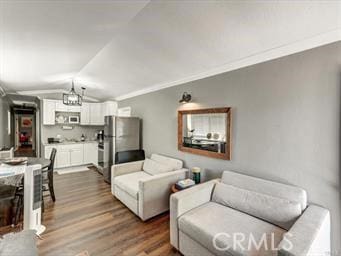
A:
(265, 75)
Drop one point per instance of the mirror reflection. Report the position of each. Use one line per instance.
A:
(205, 131)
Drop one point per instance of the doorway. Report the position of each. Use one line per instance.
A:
(24, 132)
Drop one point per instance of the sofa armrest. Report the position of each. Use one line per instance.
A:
(184, 201)
(122, 169)
(154, 192)
(310, 235)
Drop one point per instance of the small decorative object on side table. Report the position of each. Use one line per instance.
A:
(181, 185)
(196, 174)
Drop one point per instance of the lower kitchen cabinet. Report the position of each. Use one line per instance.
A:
(73, 154)
(91, 153)
(62, 158)
(76, 155)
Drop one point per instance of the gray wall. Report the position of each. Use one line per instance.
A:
(4, 137)
(286, 123)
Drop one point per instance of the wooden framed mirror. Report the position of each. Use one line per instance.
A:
(205, 132)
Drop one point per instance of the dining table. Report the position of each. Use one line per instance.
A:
(44, 162)
(32, 171)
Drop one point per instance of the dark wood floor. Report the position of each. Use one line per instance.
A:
(86, 217)
(25, 151)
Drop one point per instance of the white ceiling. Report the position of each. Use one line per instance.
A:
(120, 49)
(45, 43)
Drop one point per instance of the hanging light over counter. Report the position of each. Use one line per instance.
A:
(72, 98)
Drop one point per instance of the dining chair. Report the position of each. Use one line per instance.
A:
(7, 195)
(11, 188)
(49, 173)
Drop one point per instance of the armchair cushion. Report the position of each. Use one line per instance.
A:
(278, 211)
(202, 224)
(153, 168)
(125, 168)
(130, 182)
(174, 163)
(289, 192)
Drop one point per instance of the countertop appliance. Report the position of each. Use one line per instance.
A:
(100, 165)
(100, 135)
(53, 140)
(73, 119)
(120, 134)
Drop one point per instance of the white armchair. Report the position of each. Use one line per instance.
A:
(276, 216)
(144, 186)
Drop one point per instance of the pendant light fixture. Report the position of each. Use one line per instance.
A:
(72, 98)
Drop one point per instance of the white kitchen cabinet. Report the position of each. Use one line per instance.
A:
(76, 155)
(85, 114)
(63, 157)
(74, 109)
(126, 112)
(109, 108)
(49, 109)
(61, 107)
(96, 114)
(90, 113)
(91, 153)
(73, 154)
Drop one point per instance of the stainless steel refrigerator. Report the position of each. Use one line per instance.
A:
(120, 134)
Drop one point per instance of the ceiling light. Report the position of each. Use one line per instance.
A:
(72, 98)
(186, 97)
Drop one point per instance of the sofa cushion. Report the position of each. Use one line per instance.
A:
(289, 192)
(130, 182)
(202, 224)
(174, 163)
(153, 168)
(276, 210)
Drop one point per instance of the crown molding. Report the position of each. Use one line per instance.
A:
(52, 91)
(274, 53)
(35, 92)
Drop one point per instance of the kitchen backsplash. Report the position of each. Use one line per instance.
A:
(75, 133)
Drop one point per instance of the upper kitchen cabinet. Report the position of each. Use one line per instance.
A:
(124, 112)
(61, 107)
(74, 109)
(96, 114)
(90, 113)
(85, 114)
(49, 109)
(110, 108)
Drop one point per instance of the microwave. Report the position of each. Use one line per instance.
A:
(73, 119)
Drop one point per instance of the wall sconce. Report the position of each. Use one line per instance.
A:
(186, 97)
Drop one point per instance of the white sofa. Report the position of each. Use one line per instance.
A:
(145, 186)
(210, 219)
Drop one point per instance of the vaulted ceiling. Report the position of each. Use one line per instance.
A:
(120, 49)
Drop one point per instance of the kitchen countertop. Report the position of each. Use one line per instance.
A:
(70, 143)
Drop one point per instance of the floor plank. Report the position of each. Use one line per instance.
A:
(86, 217)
